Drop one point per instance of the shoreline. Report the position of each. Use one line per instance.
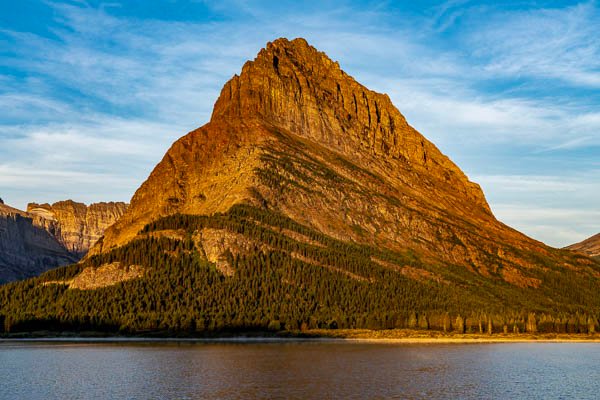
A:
(268, 340)
(393, 336)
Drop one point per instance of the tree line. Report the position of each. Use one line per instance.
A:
(295, 285)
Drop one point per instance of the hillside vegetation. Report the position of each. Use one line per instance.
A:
(290, 278)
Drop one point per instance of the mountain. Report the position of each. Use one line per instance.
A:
(590, 246)
(26, 249)
(296, 135)
(76, 225)
(309, 201)
(48, 236)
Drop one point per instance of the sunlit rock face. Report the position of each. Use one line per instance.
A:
(26, 249)
(295, 134)
(47, 236)
(75, 225)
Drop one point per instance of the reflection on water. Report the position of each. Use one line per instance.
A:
(298, 370)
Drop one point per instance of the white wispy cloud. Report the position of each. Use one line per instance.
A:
(554, 43)
(557, 227)
(558, 210)
(542, 183)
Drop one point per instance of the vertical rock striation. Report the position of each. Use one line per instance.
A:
(48, 236)
(295, 88)
(26, 249)
(77, 226)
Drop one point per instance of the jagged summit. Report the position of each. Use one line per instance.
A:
(295, 87)
(77, 226)
(298, 89)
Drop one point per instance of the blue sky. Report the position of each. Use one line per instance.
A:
(92, 93)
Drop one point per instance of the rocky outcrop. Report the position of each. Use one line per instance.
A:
(294, 134)
(75, 225)
(103, 276)
(216, 244)
(590, 246)
(48, 236)
(26, 249)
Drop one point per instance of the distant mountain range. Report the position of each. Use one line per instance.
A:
(307, 201)
(47, 236)
(590, 246)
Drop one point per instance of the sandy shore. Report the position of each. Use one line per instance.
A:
(423, 337)
(475, 340)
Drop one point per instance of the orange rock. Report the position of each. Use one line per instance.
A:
(76, 226)
(295, 134)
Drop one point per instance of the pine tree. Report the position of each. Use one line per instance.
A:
(531, 323)
(459, 325)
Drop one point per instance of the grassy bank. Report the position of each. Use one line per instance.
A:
(416, 336)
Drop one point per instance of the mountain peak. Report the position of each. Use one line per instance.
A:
(295, 88)
(282, 64)
(77, 226)
(307, 188)
(294, 118)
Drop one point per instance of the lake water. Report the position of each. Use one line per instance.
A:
(298, 370)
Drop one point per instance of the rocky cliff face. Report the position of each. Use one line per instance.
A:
(297, 89)
(48, 236)
(26, 249)
(293, 133)
(75, 225)
(590, 246)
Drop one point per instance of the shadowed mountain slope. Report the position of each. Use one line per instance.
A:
(48, 236)
(26, 248)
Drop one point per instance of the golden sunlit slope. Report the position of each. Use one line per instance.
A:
(293, 133)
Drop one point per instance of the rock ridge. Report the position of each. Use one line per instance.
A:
(47, 236)
(75, 225)
(299, 89)
(26, 248)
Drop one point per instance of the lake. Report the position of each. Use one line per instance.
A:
(298, 370)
